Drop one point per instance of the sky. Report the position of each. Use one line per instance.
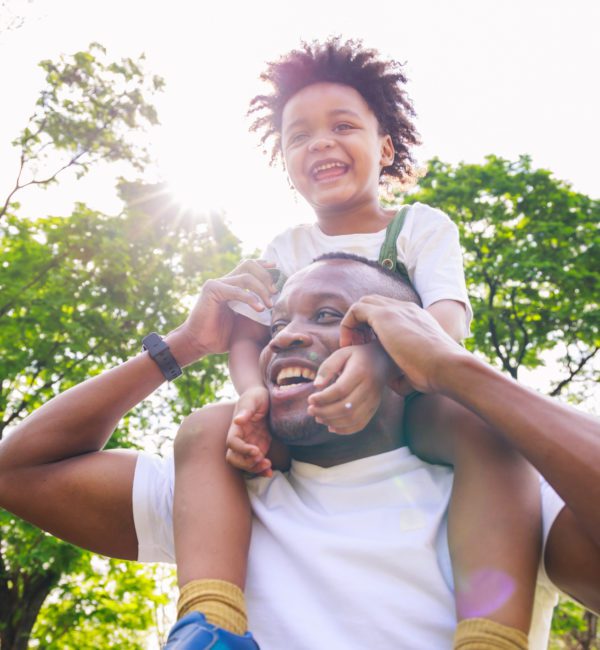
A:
(485, 77)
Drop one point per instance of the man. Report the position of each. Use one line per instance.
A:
(349, 549)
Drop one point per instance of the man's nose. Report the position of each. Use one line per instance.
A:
(290, 337)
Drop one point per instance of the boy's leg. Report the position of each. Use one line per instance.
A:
(494, 523)
(212, 522)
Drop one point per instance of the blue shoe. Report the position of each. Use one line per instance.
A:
(192, 632)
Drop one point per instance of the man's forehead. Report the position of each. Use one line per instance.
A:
(336, 279)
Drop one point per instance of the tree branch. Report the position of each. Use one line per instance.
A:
(573, 372)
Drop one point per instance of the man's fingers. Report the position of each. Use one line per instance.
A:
(356, 318)
(258, 269)
(249, 282)
(220, 291)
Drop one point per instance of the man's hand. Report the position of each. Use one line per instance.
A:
(207, 329)
(357, 374)
(412, 337)
(249, 438)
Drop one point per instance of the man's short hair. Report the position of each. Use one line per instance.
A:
(399, 285)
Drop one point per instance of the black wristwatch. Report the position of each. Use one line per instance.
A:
(160, 353)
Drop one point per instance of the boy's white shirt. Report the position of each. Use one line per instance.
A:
(351, 556)
(428, 245)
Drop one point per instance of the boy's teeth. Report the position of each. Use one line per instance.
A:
(321, 168)
(294, 372)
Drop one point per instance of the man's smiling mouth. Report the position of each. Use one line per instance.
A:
(292, 376)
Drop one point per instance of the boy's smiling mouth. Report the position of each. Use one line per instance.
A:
(328, 169)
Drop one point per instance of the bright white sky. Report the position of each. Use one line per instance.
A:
(504, 77)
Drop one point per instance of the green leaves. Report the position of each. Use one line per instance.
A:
(90, 110)
(78, 294)
(532, 261)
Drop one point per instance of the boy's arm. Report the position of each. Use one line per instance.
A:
(249, 439)
(452, 316)
(561, 442)
(52, 471)
(247, 341)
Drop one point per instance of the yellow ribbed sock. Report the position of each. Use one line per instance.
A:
(483, 634)
(221, 602)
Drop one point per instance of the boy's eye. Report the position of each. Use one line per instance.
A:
(343, 126)
(297, 137)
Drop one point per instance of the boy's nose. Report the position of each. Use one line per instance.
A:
(321, 143)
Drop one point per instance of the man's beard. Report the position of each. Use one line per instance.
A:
(296, 429)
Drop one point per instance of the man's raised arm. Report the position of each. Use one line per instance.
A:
(52, 470)
(561, 442)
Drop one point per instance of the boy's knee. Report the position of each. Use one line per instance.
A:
(205, 427)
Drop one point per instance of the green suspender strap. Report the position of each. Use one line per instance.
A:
(388, 256)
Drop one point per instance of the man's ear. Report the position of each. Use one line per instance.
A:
(387, 151)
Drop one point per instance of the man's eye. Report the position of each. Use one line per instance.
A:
(277, 327)
(328, 316)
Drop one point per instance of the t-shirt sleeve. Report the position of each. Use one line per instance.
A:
(429, 247)
(152, 501)
(552, 504)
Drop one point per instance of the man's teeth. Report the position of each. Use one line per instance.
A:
(293, 376)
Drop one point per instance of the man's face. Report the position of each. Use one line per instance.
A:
(305, 331)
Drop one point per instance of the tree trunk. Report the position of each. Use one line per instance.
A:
(20, 613)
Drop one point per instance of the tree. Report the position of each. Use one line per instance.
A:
(90, 110)
(532, 260)
(77, 293)
(533, 270)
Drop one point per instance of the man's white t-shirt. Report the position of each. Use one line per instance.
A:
(351, 556)
(428, 245)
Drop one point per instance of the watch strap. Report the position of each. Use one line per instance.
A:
(161, 354)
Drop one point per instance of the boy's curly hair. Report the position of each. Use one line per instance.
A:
(379, 82)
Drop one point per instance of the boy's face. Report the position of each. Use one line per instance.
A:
(332, 146)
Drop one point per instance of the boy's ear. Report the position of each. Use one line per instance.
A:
(387, 151)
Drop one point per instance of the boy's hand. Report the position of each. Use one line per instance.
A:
(358, 375)
(249, 438)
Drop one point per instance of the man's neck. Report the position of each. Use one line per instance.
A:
(347, 448)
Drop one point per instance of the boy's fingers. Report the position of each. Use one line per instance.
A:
(240, 446)
(263, 468)
(242, 417)
(330, 368)
(239, 461)
(339, 391)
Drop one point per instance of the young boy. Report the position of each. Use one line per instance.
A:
(340, 119)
